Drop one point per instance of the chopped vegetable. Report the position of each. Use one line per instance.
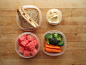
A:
(55, 35)
(47, 41)
(48, 36)
(52, 46)
(52, 50)
(44, 41)
(60, 36)
(44, 48)
(59, 39)
(61, 43)
(53, 41)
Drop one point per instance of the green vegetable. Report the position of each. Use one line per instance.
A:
(55, 35)
(53, 41)
(61, 43)
(47, 41)
(48, 36)
(60, 39)
(60, 36)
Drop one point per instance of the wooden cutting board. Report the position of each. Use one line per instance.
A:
(73, 25)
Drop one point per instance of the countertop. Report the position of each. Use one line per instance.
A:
(73, 25)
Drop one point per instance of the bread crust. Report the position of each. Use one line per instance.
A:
(37, 12)
(23, 21)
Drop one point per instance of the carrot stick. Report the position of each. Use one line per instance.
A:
(44, 48)
(45, 44)
(52, 46)
(52, 50)
(45, 41)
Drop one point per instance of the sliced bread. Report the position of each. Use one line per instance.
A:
(33, 13)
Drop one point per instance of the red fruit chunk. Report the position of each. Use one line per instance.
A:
(26, 53)
(19, 43)
(25, 48)
(31, 46)
(30, 38)
(34, 51)
(24, 42)
(33, 37)
(21, 49)
(35, 42)
(23, 37)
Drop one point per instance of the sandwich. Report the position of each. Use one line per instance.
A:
(28, 17)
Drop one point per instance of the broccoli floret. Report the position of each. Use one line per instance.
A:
(56, 41)
(55, 35)
(48, 36)
(53, 41)
(47, 41)
(61, 43)
(60, 36)
(60, 39)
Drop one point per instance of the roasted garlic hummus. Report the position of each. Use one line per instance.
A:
(53, 16)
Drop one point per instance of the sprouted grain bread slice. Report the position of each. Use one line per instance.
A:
(33, 13)
(27, 17)
(23, 23)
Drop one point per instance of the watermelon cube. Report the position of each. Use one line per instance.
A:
(26, 48)
(26, 53)
(33, 37)
(35, 42)
(19, 43)
(21, 49)
(24, 42)
(30, 38)
(23, 37)
(34, 51)
(31, 46)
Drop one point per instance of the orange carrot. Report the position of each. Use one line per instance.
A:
(44, 48)
(45, 41)
(53, 50)
(52, 46)
(45, 44)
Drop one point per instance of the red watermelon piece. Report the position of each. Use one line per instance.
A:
(23, 37)
(30, 38)
(26, 53)
(25, 48)
(28, 44)
(21, 49)
(19, 43)
(31, 46)
(24, 42)
(34, 51)
(35, 42)
(33, 37)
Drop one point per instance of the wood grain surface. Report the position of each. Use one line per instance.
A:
(73, 25)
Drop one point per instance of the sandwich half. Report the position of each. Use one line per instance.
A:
(29, 17)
